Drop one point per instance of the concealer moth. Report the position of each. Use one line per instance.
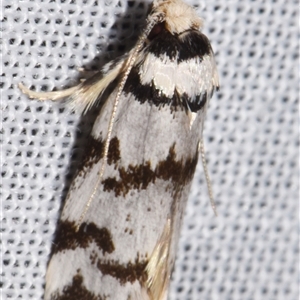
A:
(120, 225)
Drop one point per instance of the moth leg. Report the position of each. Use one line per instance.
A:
(57, 95)
(85, 73)
(158, 267)
(87, 93)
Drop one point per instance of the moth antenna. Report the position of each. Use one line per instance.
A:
(208, 182)
(151, 21)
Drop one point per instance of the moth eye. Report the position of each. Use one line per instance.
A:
(157, 29)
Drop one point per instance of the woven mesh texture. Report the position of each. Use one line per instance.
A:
(250, 251)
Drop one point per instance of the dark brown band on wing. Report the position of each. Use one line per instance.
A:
(76, 291)
(129, 272)
(138, 177)
(69, 238)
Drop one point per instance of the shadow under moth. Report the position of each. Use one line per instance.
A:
(120, 225)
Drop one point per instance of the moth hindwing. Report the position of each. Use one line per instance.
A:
(120, 224)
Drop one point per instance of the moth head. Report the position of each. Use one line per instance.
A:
(178, 16)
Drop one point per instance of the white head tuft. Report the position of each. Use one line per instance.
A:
(179, 16)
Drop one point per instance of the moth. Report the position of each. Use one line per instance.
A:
(120, 225)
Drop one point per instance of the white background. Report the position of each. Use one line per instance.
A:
(250, 251)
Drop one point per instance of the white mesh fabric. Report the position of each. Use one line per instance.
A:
(250, 250)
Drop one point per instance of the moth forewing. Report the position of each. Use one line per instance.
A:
(119, 228)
